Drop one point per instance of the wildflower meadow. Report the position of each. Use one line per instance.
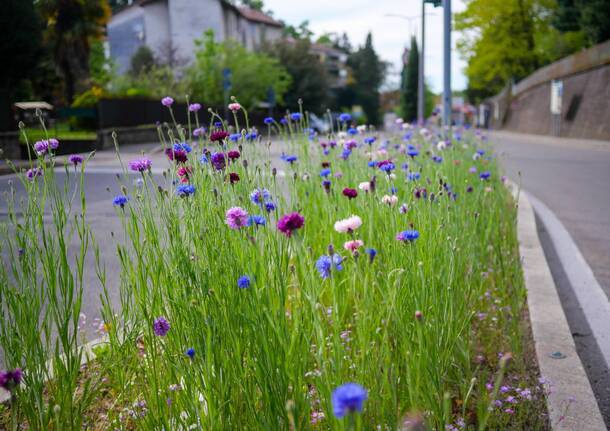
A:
(273, 279)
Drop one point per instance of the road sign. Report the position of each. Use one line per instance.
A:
(226, 79)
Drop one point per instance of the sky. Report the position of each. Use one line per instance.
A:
(390, 34)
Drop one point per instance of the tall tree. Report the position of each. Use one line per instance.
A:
(595, 19)
(71, 27)
(368, 73)
(309, 81)
(20, 46)
(410, 80)
(498, 42)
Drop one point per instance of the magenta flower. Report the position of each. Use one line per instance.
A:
(234, 107)
(10, 379)
(167, 101)
(33, 173)
(290, 222)
(41, 147)
(236, 218)
(194, 107)
(140, 165)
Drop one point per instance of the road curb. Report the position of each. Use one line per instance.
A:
(571, 403)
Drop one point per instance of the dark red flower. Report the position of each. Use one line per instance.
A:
(233, 177)
(233, 155)
(350, 193)
(179, 156)
(218, 135)
(290, 222)
(326, 164)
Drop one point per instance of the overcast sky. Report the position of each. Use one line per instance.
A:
(390, 34)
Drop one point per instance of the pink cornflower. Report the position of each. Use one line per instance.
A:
(140, 165)
(353, 245)
(290, 222)
(194, 107)
(234, 107)
(236, 218)
(348, 225)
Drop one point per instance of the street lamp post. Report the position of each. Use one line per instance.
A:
(447, 65)
(420, 79)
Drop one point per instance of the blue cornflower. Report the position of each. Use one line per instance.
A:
(413, 176)
(269, 206)
(387, 167)
(256, 220)
(369, 140)
(437, 159)
(485, 175)
(268, 120)
(218, 124)
(190, 352)
(326, 263)
(326, 152)
(480, 152)
(185, 190)
(405, 166)
(345, 117)
(296, 116)
(290, 159)
(325, 172)
(407, 136)
(204, 159)
(346, 153)
(183, 147)
(372, 253)
(283, 120)
(251, 136)
(120, 201)
(259, 196)
(243, 282)
(348, 398)
(235, 137)
(393, 190)
(408, 235)
(372, 164)
(352, 131)
(412, 151)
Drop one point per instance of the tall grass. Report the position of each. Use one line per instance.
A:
(419, 325)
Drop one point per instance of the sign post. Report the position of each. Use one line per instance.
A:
(226, 86)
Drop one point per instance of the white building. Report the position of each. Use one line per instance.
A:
(175, 24)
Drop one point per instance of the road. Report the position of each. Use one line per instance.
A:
(572, 178)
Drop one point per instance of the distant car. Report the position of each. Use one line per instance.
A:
(318, 124)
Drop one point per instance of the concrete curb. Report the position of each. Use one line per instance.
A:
(571, 403)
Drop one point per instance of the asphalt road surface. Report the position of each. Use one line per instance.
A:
(572, 177)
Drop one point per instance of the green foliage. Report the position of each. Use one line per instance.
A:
(157, 82)
(141, 61)
(71, 26)
(302, 31)
(308, 77)
(595, 19)
(498, 41)
(368, 73)
(410, 80)
(253, 73)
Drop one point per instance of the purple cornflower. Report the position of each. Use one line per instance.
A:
(167, 101)
(75, 159)
(348, 398)
(140, 165)
(290, 222)
(408, 235)
(194, 107)
(200, 131)
(218, 161)
(485, 175)
(161, 327)
(386, 166)
(236, 218)
(41, 147)
(53, 143)
(10, 379)
(269, 206)
(33, 173)
(260, 196)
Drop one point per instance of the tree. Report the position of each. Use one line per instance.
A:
(595, 19)
(309, 81)
(368, 73)
(141, 61)
(20, 46)
(253, 4)
(498, 42)
(302, 31)
(253, 73)
(72, 25)
(410, 80)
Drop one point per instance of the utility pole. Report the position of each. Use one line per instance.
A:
(420, 79)
(447, 66)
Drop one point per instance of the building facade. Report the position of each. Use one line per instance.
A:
(173, 25)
